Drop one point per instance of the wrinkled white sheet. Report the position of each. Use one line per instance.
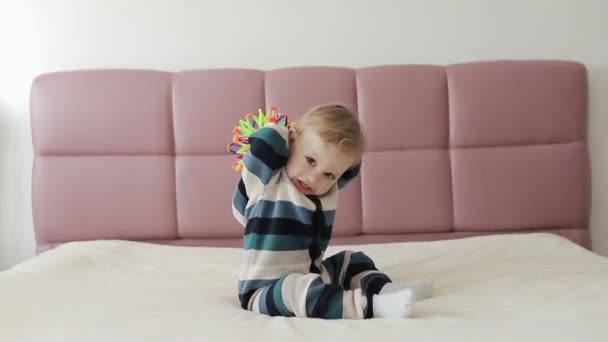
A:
(533, 287)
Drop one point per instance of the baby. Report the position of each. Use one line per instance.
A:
(287, 199)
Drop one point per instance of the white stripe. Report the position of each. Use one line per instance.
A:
(344, 266)
(284, 190)
(330, 200)
(237, 215)
(282, 130)
(253, 185)
(269, 258)
(353, 304)
(254, 305)
(294, 290)
(272, 272)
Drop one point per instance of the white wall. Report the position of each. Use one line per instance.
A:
(40, 36)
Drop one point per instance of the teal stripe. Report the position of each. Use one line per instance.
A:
(273, 138)
(312, 295)
(277, 297)
(279, 209)
(335, 306)
(258, 168)
(271, 242)
(254, 284)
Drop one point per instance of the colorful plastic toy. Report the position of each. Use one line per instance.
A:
(251, 123)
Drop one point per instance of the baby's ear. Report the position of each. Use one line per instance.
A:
(293, 132)
(349, 175)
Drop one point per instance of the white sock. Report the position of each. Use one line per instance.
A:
(398, 304)
(422, 287)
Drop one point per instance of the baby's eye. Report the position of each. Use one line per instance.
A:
(311, 161)
(330, 175)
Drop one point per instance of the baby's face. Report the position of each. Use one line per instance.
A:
(314, 166)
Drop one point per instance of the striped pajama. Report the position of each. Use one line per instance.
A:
(286, 234)
(344, 288)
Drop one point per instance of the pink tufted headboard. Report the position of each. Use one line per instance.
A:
(453, 151)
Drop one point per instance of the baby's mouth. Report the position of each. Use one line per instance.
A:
(303, 187)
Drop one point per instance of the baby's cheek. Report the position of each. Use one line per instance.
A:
(292, 169)
(327, 186)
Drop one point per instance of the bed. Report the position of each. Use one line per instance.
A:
(476, 174)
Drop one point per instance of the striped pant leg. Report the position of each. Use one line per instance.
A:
(306, 295)
(354, 270)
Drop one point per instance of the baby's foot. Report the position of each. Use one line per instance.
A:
(398, 304)
(422, 287)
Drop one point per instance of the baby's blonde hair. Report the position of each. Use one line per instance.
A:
(338, 125)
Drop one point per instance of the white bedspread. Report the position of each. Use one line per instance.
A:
(535, 287)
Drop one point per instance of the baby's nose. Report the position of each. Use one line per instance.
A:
(314, 179)
(310, 180)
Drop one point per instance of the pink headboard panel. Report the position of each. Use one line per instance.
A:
(453, 151)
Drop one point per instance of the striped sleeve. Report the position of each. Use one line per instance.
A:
(349, 175)
(267, 156)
